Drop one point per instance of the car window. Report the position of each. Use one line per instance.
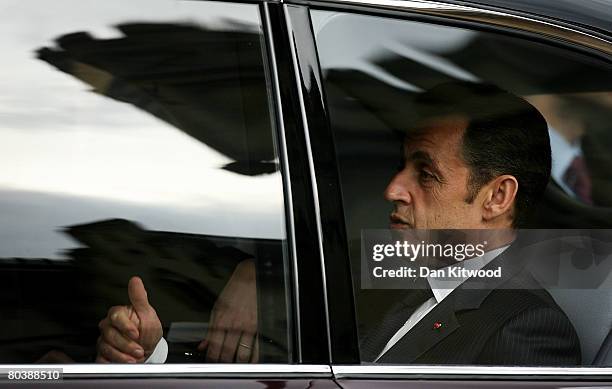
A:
(420, 114)
(140, 194)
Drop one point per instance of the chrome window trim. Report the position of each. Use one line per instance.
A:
(244, 1)
(463, 372)
(492, 18)
(313, 177)
(472, 14)
(184, 370)
(284, 160)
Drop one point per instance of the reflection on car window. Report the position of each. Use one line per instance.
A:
(578, 137)
(465, 113)
(136, 140)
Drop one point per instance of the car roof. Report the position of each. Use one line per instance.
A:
(594, 15)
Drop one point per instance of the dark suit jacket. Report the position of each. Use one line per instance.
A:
(505, 321)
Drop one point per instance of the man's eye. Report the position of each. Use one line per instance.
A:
(425, 176)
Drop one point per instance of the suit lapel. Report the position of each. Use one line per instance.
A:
(442, 321)
(373, 344)
(429, 331)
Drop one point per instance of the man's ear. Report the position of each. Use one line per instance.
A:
(499, 198)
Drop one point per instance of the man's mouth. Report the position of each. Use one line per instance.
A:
(396, 222)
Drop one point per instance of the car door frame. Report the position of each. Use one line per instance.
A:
(334, 251)
(309, 359)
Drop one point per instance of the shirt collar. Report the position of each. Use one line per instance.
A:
(441, 288)
(563, 153)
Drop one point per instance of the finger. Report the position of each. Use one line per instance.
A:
(255, 356)
(101, 359)
(230, 345)
(104, 322)
(121, 343)
(119, 318)
(132, 315)
(111, 354)
(114, 312)
(245, 347)
(215, 342)
(203, 344)
(138, 296)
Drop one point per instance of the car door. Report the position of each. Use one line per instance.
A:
(360, 63)
(157, 145)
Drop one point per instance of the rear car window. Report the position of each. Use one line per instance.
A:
(136, 140)
(396, 91)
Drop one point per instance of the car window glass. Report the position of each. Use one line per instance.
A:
(137, 140)
(376, 71)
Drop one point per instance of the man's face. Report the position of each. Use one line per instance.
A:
(430, 191)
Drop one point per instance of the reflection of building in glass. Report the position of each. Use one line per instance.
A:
(107, 159)
(208, 83)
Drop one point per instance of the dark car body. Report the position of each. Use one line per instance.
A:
(326, 353)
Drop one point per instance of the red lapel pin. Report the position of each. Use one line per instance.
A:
(437, 325)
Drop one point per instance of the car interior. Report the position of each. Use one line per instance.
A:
(41, 310)
(370, 85)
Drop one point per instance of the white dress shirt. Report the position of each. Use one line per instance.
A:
(160, 353)
(563, 153)
(441, 288)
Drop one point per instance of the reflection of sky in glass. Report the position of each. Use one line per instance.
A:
(71, 156)
(381, 37)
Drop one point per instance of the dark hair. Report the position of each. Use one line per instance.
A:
(505, 135)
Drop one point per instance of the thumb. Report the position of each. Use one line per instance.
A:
(138, 296)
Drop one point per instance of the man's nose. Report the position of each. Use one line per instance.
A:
(397, 189)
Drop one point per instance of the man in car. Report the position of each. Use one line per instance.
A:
(477, 158)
